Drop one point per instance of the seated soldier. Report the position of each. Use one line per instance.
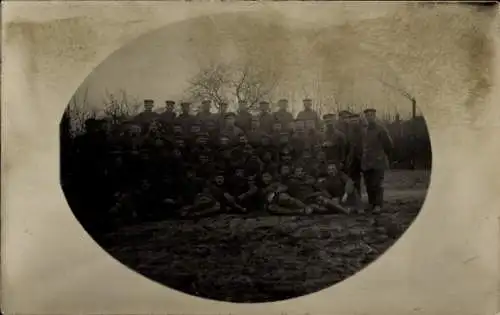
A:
(204, 204)
(253, 164)
(255, 133)
(339, 188)
(219, 190)
(178, 130)
(276, 132)
(242, 189)
(305, 188)
(276, 199)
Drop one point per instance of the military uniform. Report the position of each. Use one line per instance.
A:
(185, 119)
(308, 115)
(204, 116)
(168, 116)
(265, 117)
(376, 145)
(283, 116)
(243, 118)
(147, 116)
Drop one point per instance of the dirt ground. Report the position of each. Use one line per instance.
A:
(267, 258)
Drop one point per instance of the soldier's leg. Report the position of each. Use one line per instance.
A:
(378, 188)
(285, 204)
(369, 183)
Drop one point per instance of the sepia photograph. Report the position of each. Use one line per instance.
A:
(245, 157)
(238, 159)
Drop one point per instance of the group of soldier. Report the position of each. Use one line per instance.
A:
(161, 164)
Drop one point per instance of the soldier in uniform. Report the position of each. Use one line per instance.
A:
(376, 147)
(254, 134)
(266, 118)
(343, 121)
(230, 129)
(243, 118)
(283, 115)
(308, 115)
(147, 116)
(222, 114)
(335, 144)
(204, 115)
(168, 116)
(185, 118)
(352, 166)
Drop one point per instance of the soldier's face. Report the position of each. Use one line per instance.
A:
(283, 106)
(299, 172)
(267, 178)
(177, 153)
(370, 117)
(148, 107)
(276, 127)
(285, 170)
(332, 170)
(240, 173)
(170, 108)
(243, 140)
(230, 121)
(205, 107)
(264, 107)
(310, 180)
(267, 156)
(219, 180)
(287, 158)
(223, 108)
(224, 141)
(185, 109)
(308, 105)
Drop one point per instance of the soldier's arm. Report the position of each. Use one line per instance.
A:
(387, 142)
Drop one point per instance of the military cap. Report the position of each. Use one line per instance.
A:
(354, 116)
(283, 100)
(206, 102)
(148, 101)
(370, 110)
(224, 103)
(169, 102)
(307, 100)
(327, 116)
(264, 103)
(185, 104)
(230, 114)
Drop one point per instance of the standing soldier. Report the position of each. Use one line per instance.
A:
(255, 133)
(222, 114)
(343, 122)
(204, 115)
(147, 116)
(243, 118)
(185, 118)
(283, 116)
(266, 118)
(167, 118)
(377, 146)
(335, 145)
(354, 150)
(230, 129)
(308, 115)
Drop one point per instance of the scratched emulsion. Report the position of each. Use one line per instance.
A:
(442, 54)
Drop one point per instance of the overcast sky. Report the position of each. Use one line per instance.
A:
(347, 59)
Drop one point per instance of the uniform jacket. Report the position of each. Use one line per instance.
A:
(376, 146)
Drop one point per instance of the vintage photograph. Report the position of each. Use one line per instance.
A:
(247, 158)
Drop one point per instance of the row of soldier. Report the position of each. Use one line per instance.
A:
(209, 162)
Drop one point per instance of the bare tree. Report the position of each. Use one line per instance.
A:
(120, 106)
(223, 83)
(406, 94)
(79, 110)
(210, 83)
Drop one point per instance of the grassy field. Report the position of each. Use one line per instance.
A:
(266, 258)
